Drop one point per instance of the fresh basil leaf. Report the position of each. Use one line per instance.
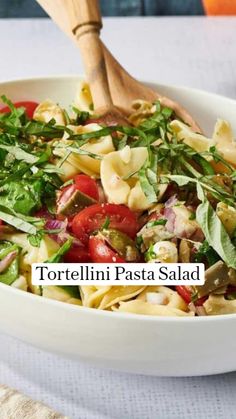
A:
(82, 152)
(181, 180)
(60, 253)
(35, 239)
(20, 154)
(120, 143)
(23, 197)
(106, 223)
(81, 116)
(147, 187)
(154, 223)
(215, 233)
(14, 220)
(205, 251)
(11, 273)
(42, 129)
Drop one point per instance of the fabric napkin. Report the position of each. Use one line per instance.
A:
(14, 405)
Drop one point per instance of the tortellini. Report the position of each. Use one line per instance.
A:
(164, 252)
(222, 139)
(83, 99)
(92, 296)
(227, 215)
(120, 179)
(32, 254)
(76, 163)
(169, 303)
(104, 297)
(217, 304)
(142, 110)
(143, 307)
(20, 283)
(225, 143)
(197, 141)
(48, 110)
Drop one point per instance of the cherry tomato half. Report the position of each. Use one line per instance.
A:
(101, 253)
(82, 183)
(92, 218)
(28, 105)
(87, 185)
(77, 254)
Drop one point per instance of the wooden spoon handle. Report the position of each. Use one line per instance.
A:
(82, 13)
(85, 23)
(81, 19)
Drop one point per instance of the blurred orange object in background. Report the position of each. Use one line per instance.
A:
(220, 7)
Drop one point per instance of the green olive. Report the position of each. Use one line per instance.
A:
(121, 243)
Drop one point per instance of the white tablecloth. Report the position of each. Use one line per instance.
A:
(198, 52)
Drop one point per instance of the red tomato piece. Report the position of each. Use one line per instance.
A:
(82, 183)
(101, 253)
(185, 293)
(87, 185)
(92, 218)
(77, 254)
(200, 301)
(28, 105)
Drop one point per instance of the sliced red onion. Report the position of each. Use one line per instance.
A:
(179, 229)
(56, 224)
(170, 215)
(61, 237)
(171, 201)
(44, 213)
(5, 263)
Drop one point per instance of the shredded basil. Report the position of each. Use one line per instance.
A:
(60, 253)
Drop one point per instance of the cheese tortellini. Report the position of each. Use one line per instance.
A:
(166, 303)
(76, 163)
(120, 179)
(104, 297)
(222, 139)
(48, 110)
(83, 99)
(197, 141)
(31, 254)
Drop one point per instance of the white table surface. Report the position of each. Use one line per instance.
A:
(198, 52)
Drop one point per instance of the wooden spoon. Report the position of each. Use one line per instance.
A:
(113, 89)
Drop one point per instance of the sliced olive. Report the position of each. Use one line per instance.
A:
(74, 203)
(217, 276)
(121, 243)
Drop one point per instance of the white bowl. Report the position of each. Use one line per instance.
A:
(125, 342)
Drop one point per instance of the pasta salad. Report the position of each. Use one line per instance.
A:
(75, 187)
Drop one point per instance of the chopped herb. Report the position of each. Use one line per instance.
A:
(106, 223)
(154, 223)
(81, 116)
(56, 258)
